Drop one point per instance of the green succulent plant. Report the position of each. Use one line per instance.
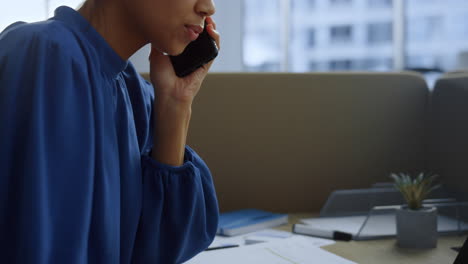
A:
(414, 190)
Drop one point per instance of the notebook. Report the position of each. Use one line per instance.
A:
(248, 220)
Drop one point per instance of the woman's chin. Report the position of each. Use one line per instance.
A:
(176, 49)
(172, 50)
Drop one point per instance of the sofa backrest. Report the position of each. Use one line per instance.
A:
(448, 131)
(283, 142)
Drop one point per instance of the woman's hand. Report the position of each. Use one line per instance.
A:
(173, 101)
(167, 85)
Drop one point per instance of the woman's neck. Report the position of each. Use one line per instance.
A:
(114, 25)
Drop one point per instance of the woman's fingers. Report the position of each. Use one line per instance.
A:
(210, 20)
(211, 28)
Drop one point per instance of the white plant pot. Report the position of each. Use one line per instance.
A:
(416, 228)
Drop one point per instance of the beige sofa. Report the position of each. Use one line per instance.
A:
(448, 131)
(283, 142)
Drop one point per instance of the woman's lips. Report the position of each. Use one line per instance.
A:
(193, 31)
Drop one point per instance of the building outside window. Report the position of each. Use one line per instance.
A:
(341, 65)
(424, 28)
(311, 4)
(379, 33)
(360, 36)
(340, 39)
(262, 47)
(341, 34)
(311, 38)
(436, 34)
(340, 2)
(380, 3)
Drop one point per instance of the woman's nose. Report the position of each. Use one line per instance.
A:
(205, 8)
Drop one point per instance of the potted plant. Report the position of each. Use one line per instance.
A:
(416, 224)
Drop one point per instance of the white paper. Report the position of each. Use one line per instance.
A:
(220, 241)
(267, 235)
(293, 250)
(240, 240)
(315, 241)
(272, 233)
(318, 242)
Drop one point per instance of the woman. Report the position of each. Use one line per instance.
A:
(93, 162)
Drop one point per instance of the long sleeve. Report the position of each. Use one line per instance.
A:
(180, 213)
(47, 164)
(179, 208)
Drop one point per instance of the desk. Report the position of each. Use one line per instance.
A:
(385, 251)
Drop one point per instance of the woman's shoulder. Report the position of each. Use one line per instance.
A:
(49, 35)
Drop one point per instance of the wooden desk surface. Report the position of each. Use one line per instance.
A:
(385, 251)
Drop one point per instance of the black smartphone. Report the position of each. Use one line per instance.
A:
(198, 53)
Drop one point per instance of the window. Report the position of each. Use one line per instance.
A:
(436, 34)
(311, 4)
(341, 34)
(311, 38)
(422, 29)
(379, 33)
(379, 3)
(31, 10)
(340, 2)
(53, 4)
(320, 41)
(306, 5)
(21, 10)
(262, 47)
(313, 66)
(458, 28)
(377, 64)
(341, 65)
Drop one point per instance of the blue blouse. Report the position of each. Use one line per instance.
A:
(77, 183)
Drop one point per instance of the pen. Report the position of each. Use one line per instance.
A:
(457, 249)
(311, 231)
(221, 247)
